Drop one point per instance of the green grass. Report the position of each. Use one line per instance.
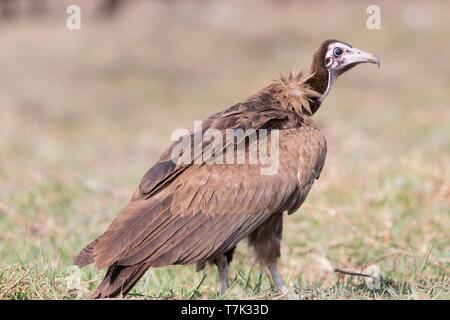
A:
(388, 223)
(73, 147)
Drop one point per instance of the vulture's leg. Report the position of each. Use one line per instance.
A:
(222, 265)
(276, 276)
(222, 262)
(266, 240)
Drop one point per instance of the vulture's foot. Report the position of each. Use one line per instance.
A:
(276, 277)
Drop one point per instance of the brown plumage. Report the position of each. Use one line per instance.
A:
(192, 212)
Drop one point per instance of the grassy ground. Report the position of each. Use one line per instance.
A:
(83, 114)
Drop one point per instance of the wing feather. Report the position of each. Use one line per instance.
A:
(184, 213)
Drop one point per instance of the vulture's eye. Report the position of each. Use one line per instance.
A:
(337, 51)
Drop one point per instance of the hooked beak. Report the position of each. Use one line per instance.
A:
(356, 56)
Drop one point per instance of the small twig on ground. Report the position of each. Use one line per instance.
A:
(352, 273)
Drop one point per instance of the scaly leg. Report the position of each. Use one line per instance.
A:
(222, 265)
(276, 277)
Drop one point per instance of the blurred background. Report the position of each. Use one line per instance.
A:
(84, 113)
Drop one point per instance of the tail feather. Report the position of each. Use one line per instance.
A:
(86, 256)
(119, 280)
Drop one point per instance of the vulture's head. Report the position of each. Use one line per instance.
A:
(338, 56)
(332, 59)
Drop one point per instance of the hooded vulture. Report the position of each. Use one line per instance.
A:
(195, 211)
